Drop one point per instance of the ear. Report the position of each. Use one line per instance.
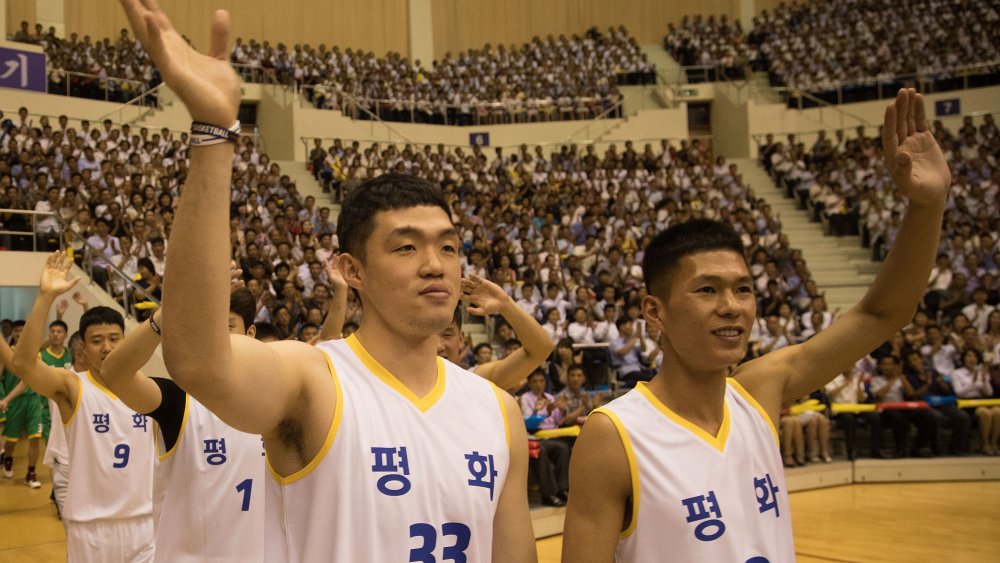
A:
(252, 331)
(652, 310)
(351, 269)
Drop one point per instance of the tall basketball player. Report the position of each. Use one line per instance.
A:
(378, 450)
(687, 466)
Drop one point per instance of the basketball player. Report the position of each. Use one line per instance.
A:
(56, 355)
(108, 510)
(23, 411)
(212, 475)
(487, 298)
(378, 449)
(688, 464)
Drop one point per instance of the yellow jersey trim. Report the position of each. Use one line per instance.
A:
(180, 433)
(76, 403)
(104, 389)
(331, 434)
(753, 402)
(503, 411)
(718, 441)
(633, 469)
(53, 354)
(422, 403)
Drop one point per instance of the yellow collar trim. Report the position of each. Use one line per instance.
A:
(422, 403)
(104, 389)
(718, 442)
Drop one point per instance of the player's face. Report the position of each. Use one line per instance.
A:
(99, 341)
(706, 316)
(411, 272)
(450, 343)
(57, 336)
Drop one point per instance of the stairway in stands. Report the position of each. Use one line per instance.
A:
(842, 268)
(307, 185)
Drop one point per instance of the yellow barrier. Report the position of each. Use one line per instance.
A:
(844, 407)
(812, 405)
(568, 432)
(968, 403)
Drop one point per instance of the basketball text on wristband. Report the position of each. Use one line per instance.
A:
(203, 134)
(153, 325)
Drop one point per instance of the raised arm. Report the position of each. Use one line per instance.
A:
(487, 298)
(250, 385)
(121, 370)
(57, 384)
(921, 173)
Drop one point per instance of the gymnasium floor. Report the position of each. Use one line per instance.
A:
(911, 522)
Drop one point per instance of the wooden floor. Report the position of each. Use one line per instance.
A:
(874, 522)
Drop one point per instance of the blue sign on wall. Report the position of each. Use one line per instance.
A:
(24, 70)
(952, 106)
(479, 139)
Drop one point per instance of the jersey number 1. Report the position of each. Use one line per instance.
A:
(245, 487)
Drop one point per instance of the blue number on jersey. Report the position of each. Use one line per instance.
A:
(245, 487)
(121, 454)
(425, 553)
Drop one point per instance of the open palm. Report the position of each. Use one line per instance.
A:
(911, 154)
(54, 281)
(206, 84)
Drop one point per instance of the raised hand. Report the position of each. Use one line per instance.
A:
(333, 274)
(911, 154)
(235, 277)
(54, 281)
(81, 300)
(61, 307)
(206, 84)
(482, 296)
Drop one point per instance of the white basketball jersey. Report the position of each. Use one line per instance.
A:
(212, 508)
(698, 497)
(399, 478)
(112, 453)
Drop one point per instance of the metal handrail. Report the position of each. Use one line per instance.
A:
(823, 104)
(137, 84)
(130, 286)
(928, 77)
(86, 261)
(759, 137)
(134, 102)
(478, 109)
(308, 140)
(33, 215)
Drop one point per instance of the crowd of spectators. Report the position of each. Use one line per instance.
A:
(718, 44)
(546, 79)
(952, 348)
(820, 47)
(107, 69)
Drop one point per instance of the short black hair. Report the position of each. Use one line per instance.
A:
(59, 323)
(668, 247)
(384, 193)
(244, 305)
(101, 316)
(266, 331)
